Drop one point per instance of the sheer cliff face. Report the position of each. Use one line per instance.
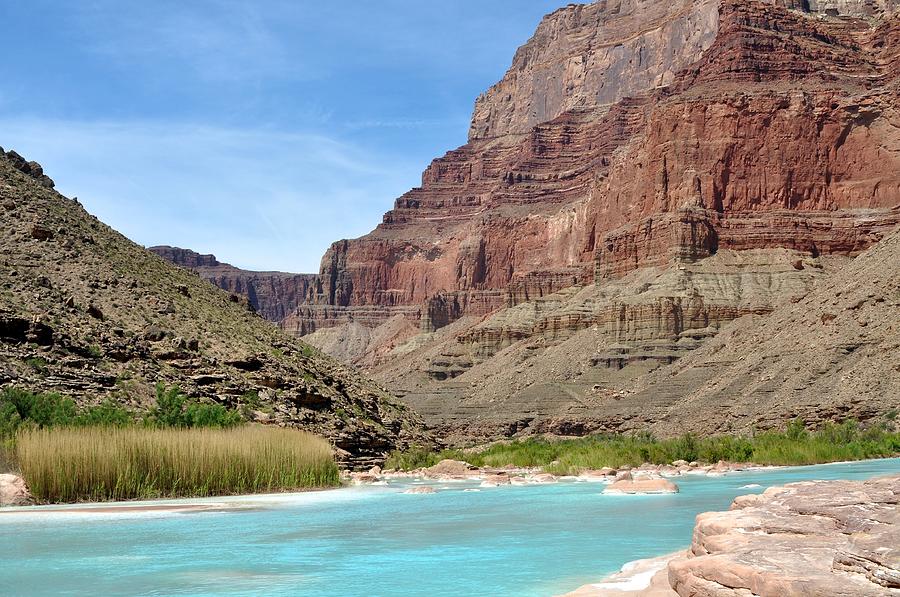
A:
(594, 54)
(634, 133)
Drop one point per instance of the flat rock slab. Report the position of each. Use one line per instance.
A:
(641, 486)
(834, 538)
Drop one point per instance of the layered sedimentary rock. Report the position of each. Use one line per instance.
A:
(274, 295)
(830, 355)
(834, 538)
(636, 133)
(566, 363)
(644, 174)
(812, 538)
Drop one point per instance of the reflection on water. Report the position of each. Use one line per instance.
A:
(374, 541)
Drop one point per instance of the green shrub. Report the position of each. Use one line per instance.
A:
(43, 410)
(22, 408)
(211, 415)
(796, 430)
(796, 445)
(174, 409)
(169, 409)
(107, 414)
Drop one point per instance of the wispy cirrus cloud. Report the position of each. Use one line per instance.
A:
(258, 198)
(220, 40)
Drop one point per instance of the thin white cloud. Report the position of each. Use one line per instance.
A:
(258, 198)
(215, 39)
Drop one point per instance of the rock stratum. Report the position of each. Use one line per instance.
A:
(274, 295)
(644, 174)
(815, 538)
(89, 314)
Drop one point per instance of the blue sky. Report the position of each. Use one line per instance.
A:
(258, 131)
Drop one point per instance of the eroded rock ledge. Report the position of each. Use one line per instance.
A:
(815, 538)
(812, 538)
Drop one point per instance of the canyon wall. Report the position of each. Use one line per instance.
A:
(643, 175)
(274, 295)
(637, 133)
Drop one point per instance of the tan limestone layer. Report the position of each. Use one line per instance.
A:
(837, 538)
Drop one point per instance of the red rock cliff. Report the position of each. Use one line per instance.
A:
(630, 133)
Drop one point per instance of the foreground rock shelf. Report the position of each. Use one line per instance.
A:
(835, 538)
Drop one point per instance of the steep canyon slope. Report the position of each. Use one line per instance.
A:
(274, 295)
(644, 174)
(87, 313)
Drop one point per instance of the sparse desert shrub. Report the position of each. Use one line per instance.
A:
(39, 364)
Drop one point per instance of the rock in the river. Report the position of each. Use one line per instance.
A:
(836, 538)
(14, 491)
(448, 469)
(640, 485)
(419, 490)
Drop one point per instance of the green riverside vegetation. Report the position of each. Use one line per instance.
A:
(178, 448)
(795, 446)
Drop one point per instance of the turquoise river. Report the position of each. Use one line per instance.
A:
(373, 541)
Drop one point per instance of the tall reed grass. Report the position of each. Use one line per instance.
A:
(105, 463)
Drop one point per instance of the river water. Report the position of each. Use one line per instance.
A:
(374, 541)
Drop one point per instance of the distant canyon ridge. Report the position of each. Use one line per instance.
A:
(675, 216)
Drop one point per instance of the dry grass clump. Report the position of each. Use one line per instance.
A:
(102, 463)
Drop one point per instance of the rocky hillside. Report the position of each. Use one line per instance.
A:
(832, 354)
(86, 312)
(274, 295)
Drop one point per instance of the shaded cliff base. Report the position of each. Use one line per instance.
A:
(809, 538)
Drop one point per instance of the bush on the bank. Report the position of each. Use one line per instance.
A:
(174, 409)
(109, 463)
(796, 445)
(22, 409)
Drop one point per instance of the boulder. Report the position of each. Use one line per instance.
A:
(449, 469)
(645, 486)
(14, 491)
(419, 490)
(495, 479)
(601, 475)
(363, 478)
